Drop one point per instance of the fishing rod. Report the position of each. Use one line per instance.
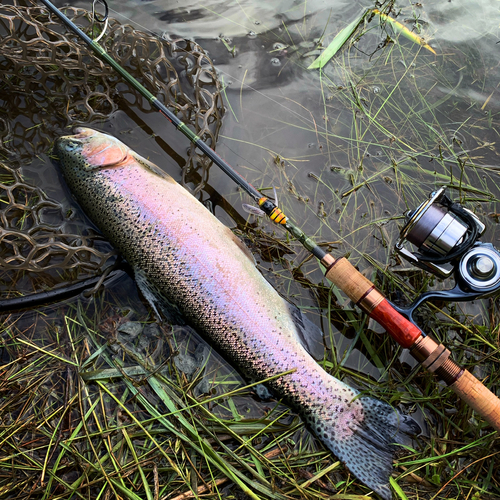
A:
(433, 356)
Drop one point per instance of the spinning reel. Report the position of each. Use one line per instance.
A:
(446, 236)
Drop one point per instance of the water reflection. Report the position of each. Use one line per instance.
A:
(349, 148)
(463, 21)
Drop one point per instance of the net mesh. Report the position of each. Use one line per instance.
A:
(34, 237)
(48, 82)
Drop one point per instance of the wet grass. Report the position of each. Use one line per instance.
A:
(410, 129)
(90, 411)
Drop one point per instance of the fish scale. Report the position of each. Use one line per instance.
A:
(186, 255)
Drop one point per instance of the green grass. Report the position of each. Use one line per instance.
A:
(89, 412)
(114, 415)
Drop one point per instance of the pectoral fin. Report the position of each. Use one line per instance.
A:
(162, 307)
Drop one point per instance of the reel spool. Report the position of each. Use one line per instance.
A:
(447, 238)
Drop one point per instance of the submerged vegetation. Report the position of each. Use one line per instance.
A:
(98, 400)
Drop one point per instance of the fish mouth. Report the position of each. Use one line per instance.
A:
(77, 137)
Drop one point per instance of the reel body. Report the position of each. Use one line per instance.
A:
(447, 239)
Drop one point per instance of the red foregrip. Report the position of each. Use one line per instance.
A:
(403, 331)
(363, 293)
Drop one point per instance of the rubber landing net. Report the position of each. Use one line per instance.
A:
(49, 82)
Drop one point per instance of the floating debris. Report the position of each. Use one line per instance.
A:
(400, 28)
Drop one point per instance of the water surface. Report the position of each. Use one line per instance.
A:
(348, 149)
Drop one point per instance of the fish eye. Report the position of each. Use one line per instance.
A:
(71, 146)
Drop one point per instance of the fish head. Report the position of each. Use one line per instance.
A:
(88, 150)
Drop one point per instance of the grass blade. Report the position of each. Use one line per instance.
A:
(338, 42)
(397, 489)
(400, 28)
(139, 468)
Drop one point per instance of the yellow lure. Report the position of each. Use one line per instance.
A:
(276, 214)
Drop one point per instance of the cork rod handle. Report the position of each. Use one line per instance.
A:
(434, 357)
(470, 390)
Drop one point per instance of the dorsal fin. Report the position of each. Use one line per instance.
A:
(242, 246)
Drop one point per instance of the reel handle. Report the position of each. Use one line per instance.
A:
(434, 357)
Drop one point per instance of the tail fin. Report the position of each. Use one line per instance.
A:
(368, 450)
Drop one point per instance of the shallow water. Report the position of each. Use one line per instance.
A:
(348, 149)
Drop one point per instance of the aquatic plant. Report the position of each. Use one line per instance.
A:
(97, 401)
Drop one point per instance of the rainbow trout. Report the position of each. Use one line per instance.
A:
(195, 262)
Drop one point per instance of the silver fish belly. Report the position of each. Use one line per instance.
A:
(201, 267)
